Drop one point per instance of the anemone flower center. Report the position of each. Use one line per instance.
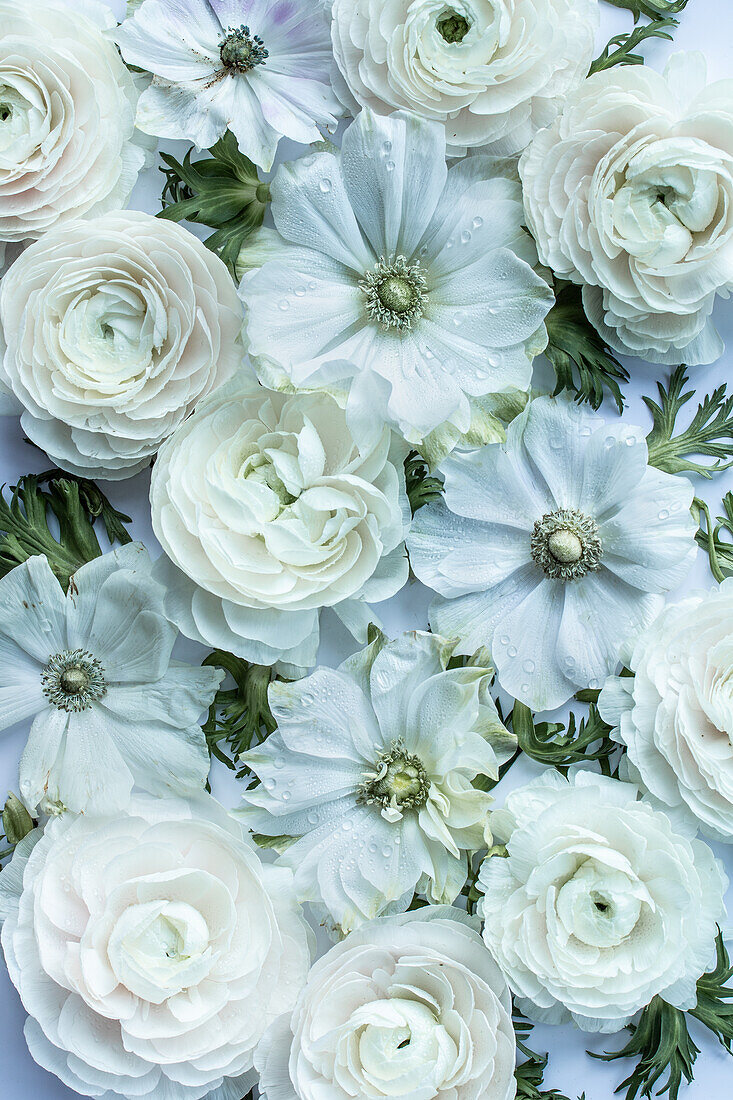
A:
(566, 544)
(73, 680)
(395, 293)
(241, 51)
(399, 782)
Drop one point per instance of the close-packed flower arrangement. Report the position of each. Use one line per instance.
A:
(365, 351)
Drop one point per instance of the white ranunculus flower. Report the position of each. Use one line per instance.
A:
(491, 71)
(675, 715)
(67, 115)
(553, 548)
(115, 330)
(630, 194)
(388, 269)
(151, 950)
(261, 68)
(93, 670)
(410, 1006)
(600, 904)
(372, 769)
(269, 509)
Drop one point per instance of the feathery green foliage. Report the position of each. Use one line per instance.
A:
(75, 504)
(239, 717)
(709, 433)
(551, 744)
(582, 361)
(620, 49)
(222, 191)
(422, 487)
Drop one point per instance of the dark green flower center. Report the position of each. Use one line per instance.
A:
(398, 783)
(241, 51)
(452, 26)
(73, 680)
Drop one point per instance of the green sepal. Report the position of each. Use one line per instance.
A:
(223, 191)
(422, 487)
(239, 717)
(551, 744)
(626, 43)
(714, 1006)
(75, 503)
(710, 432)
(582, 361)
(17, 822)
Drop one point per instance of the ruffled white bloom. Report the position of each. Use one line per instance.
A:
(675, 715)
(260, 68)
(600, 905)
(630, 194)
(151, 950)
(67, 115)
(409, 1006)
(115, 330)
(268, 510)
(372, 769)
(386, 268)
(552, 548)
(93, 670)
(491, 71)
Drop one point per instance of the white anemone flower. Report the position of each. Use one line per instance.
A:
(601, 904)
(93, 670)
(388, 269)
(410, 1006)
(260, 68)
(675, 714)
(553, 548)
(372, 769)
(491, 71)
(151, 949)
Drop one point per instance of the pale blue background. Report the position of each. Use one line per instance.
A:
(706, 25)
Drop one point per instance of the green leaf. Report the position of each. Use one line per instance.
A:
(530, 1074)
(239, 717)
(422, 488)
(549, 743)
(652, 9)
(582, 362)
(222, 191)
(710, 432)
(661, 1042)
(626, 43)
(714, 996)
(75, 504)
(662, 1046)
(719, 550)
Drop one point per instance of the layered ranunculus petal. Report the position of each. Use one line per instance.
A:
(151, 949)
(600, 904)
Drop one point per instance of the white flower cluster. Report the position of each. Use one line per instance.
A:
(336, 392)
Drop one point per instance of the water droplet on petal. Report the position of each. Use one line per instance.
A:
(326, 186)
(477, 223)
(390, 166)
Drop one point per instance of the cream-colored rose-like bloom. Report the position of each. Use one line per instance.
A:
(268, 510)
(493, 71)
(630, 194)
(115, 330)
(675, 715)
(67, 116)
(151, 950)
(601, 903)
(409, 1006)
